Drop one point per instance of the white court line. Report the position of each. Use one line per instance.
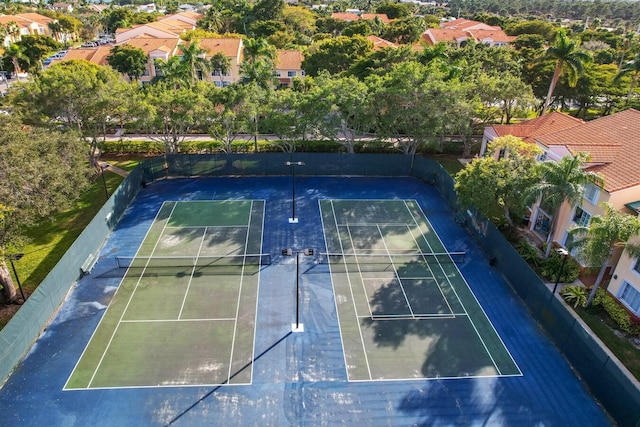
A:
(114, 295)
(213, 319)
(129, 301)
(235, 326)
(193, 269)
(395, 270)
(476, 299)
(355, 310)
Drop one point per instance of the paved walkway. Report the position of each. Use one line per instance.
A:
(108, 167)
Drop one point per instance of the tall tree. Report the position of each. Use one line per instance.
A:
(268, 10)
(603, 236)
(632, 69)
(41, 171)
(259, 63)
(129, 60)
(561, 182)
(194, 61)
(220, 64)
(36, 47)
(336, 54)
(14, 54)
(172, 112)
(489, 181)
(568, 58)
(77, 94)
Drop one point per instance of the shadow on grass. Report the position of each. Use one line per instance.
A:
(49, 240)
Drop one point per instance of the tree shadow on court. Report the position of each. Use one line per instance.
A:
(476, 401)
(213, 390)
(452, 348)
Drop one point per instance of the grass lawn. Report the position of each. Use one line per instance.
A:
(628, 354)
(125, 163)
(50, 239)
(451, 164)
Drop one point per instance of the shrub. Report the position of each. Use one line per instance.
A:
(617, 312)
(551, 266)
(575, 295)
(529, 253)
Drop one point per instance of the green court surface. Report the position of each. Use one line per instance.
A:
(405, 310)
(185, 311)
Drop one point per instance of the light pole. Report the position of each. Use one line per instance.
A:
(293, 219)
(297, 327)
(563, 253)
(104, 182)
(17, 257)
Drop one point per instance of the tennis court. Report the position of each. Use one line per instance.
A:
(391, 274)
(185, 311)
(186, 318)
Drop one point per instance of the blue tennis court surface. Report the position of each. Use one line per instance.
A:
(301, 378)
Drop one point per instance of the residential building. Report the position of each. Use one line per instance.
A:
(23, 24)
(613, 144)
(232, 49)
(459, 31)
(154, 48)
(289, 66)
(171, 26)
(380, 43)
(349, 17)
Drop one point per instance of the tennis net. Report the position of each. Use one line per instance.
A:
(193, 261)
(400, 258)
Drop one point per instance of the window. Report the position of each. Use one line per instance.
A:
(277, 73)
(637, 266)
(542, 157)
(591, 193)
(581, 217)
(291, 74)
(630, 296)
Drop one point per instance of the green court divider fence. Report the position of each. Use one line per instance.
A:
(614, 387)
(610, 382)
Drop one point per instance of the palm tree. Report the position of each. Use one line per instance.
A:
(633, 68)
(15, 54)
(194, 60)
(13, 30)
(603, 236)
(561, 182)
(568, 58)
(220, 63)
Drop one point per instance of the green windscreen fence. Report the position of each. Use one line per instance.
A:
(606, 379)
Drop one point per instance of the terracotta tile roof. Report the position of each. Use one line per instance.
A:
(36, 17)
(187, 14)
(467, 24)
(379, 43)
(613, 143)
(231, 47)
(530, 130)
(289, 60)
(22, 22)
(97, 56)
(149, 44)
(435, 35)
(496, 35)
(354, 16)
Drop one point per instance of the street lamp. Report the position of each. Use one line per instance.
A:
(293, 219)
(17, 257)
(563, 253)
(297, 327)
(104, 182)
